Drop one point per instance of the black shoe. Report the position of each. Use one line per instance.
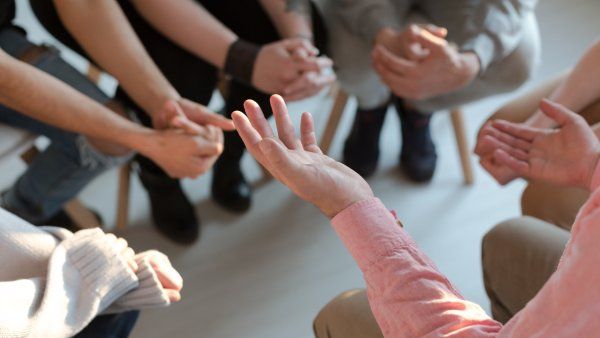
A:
(63, 220)
(230, 189)
(361, 149)
(172, 212)
(418, 157)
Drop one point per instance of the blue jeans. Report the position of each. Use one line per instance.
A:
(110, 326)
(70, 162)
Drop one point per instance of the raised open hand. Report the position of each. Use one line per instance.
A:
(299, 163)
(566, 155)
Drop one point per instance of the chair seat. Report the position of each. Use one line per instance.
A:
(14, 141)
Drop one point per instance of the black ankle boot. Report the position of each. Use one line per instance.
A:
(361, 150)
(172, 212)
(418, 157)
(229, 186)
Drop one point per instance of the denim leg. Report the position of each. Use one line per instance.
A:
(70, 162)
(110, 326)
(56, 176)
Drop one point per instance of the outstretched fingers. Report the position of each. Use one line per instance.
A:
(521, 167)
(517, 130)
(285, 128)
(257, 118)
(307, 134)
(509, 139)
(249, 135)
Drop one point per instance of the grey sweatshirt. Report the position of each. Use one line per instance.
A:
(492, 29)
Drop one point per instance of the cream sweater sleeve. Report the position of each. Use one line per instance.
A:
(54, 289)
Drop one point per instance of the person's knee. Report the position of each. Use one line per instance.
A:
(347, 315)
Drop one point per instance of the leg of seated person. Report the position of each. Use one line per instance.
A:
(110, 326)
(555, 204)
(70, 162)
(518, 257)
(347, 316)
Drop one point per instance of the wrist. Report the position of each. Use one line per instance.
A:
(240, 60)
(385, 34)
(470, 66)
(141, 140)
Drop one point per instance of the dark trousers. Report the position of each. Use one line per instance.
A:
(110, 326)
(191, 76)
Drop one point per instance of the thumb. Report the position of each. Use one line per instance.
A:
(296, 43)
(438, 31)
(557, 112)
(189, 127)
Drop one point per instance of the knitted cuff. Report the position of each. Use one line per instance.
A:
(100, 265)
(148, 294)
(240, 60)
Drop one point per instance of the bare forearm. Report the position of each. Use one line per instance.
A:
(189, 25)
(104, 32)
(292, 18)
(42, 97)
(580, 89)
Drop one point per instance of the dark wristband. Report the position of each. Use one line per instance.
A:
(240, 60)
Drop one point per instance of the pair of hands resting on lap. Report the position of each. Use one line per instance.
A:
(292, 68)
(419, 63)
(565, 155)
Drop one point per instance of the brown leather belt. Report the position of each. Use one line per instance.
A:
(33, 53)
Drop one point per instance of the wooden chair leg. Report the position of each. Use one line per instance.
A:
(462, 144)
(341, 98)
(82, 216)
(123, 196)
(93, 73)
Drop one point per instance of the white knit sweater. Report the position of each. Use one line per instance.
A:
(54, 282)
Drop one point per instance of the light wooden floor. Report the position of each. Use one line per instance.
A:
(267, 274)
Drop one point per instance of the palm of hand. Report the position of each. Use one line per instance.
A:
(318, 175)
(564, 156)
(299, 164)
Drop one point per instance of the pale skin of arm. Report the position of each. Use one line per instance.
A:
(291, 17)
(167, 16)
(182, 20)
(42, 97)
(32, 92)
(580, 89)
(104, 32)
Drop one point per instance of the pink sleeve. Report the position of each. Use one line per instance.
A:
(408, 295)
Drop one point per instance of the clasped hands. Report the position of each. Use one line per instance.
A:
(292, 68)
(419, 63)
